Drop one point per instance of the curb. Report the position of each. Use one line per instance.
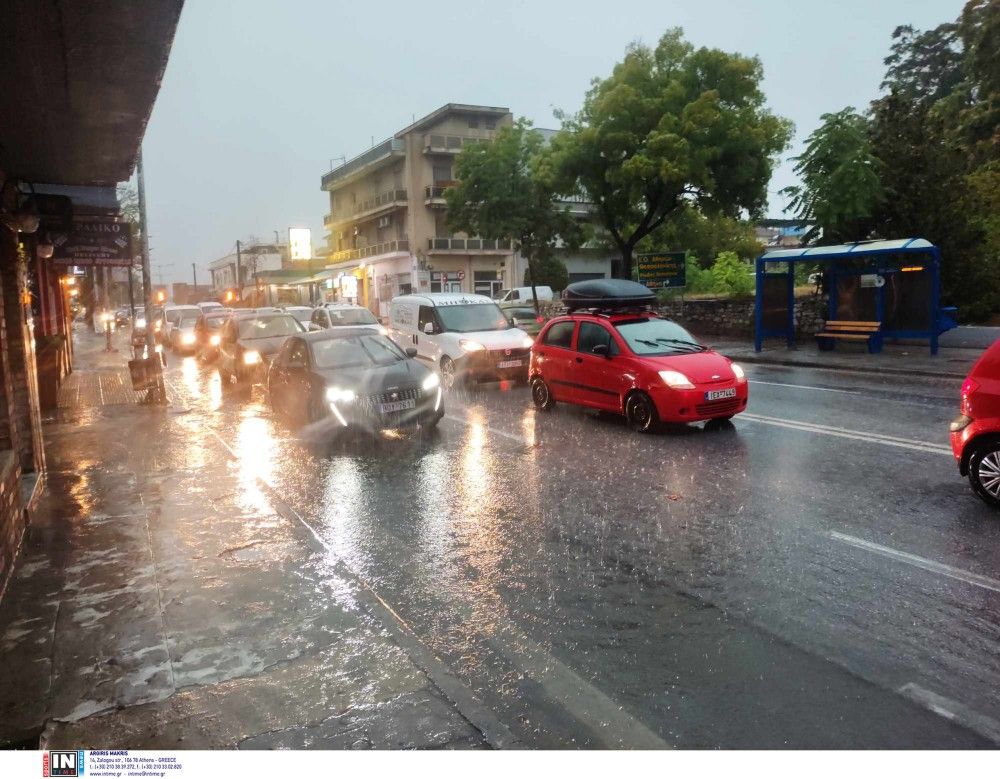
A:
(850, 368)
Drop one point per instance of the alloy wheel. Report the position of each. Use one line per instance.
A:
(988, 472)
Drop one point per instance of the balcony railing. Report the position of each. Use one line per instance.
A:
(434, 196)
(452, 144)
(386, 149)
(374, 250)
(468, 244)
(379, 201)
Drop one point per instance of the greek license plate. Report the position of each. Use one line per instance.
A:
(509, 364)
(399, 405)
(721, 394)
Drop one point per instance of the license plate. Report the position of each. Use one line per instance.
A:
(510, 364)
(721, 394)
(399, 405)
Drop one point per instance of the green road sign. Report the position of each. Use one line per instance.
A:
(662, 270)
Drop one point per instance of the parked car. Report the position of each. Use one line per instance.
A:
(465, 336)
(209, 305)
(612, 353)
(207, 333)
(302, 313)
(523, 295)
(523, 316)
(975, 434)
(345, 315)
(356, 378)
(248, 341)
(182, 337)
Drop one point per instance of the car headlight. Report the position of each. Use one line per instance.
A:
(338, 395)
(527, 342)
(214, 340)
(383, 330)
(187, 338)
(140, 322)
(430, 382)
(251, 357)
(470, 346)
(676, 380)
(156, 326)
(740, 373)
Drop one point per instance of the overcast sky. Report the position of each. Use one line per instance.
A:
(259, 95)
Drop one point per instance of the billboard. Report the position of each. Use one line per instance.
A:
(102, 242)
(300, 243)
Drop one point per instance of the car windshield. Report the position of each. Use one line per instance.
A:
(188, 320)
(215, 322)
(268, 326)
(472, 318)
(520, 313)
(348, 317)
(355, 351)
(302, 314)
(657, 337)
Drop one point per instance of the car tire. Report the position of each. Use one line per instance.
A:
(449, 372)
(540, 394)
(984, 473)
(640, 413)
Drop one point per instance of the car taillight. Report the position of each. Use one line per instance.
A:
(540, 319)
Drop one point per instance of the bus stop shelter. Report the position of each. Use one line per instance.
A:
(896, 283)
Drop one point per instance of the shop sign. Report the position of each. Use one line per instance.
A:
(96, 242)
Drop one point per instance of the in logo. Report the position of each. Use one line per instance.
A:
(62, 763)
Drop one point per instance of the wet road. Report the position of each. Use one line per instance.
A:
(814, 575)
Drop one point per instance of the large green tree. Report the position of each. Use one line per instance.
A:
(500, 195)
(841, 180)
(672, 128)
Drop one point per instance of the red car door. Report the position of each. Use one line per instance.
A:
(555, 356)
(598, 378)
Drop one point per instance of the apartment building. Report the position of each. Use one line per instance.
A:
(388, 232)
(252, 261)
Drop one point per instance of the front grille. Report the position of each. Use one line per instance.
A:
(410, 393)
(727, 406)
(499, 355)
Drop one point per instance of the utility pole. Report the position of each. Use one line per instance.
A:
(157, 392)
(239, 277)
(194, 273)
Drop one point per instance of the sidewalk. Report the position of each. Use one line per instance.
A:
(160, 601)
(895, 359)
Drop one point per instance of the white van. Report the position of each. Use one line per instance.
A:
(523, 294)
(462, 335)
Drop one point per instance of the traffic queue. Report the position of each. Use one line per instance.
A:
(337, 367)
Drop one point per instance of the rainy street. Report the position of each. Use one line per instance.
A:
(815, 574)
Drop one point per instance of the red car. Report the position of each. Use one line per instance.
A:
(975, 434)
(616, 355)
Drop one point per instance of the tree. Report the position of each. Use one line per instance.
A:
(671, 128)
(924, 66)
(547, 271)
(704, 236)
(841, 180)
(500, 195)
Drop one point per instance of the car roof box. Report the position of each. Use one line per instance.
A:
(607, 294)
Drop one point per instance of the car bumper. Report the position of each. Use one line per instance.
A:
(968, 430)
(364, 414)
(673, 405)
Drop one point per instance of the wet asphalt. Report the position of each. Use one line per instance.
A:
(815, 574)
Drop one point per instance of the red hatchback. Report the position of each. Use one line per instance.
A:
(634, 363)
(975, 435)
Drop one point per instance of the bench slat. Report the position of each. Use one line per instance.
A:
(853, 322)
(845, 336)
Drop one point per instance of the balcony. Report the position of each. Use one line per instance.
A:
(366, 209)
(434, 196)
(374, 250)
(453, 144)
(374, 158)
(468, 246)
(329, 220)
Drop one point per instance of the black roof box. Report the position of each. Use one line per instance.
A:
(607, 294)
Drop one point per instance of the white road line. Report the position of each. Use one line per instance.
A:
(953, 711)
(804, 386)
(975, 579)
(856, 435)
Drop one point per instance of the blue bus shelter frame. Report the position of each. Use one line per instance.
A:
(879, 254)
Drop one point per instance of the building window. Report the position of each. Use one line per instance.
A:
(491, 124)
(442, 173)
(474, 123)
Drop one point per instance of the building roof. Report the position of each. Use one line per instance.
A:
(861, 248)
(452, 108)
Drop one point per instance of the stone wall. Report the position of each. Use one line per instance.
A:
(12, 516)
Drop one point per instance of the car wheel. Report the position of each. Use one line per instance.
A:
(540, 394)
(984, 473)
(448, 372)
(640, 413)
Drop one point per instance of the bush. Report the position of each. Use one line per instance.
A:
(731, 275)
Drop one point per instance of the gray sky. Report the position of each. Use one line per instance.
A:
(258, 96)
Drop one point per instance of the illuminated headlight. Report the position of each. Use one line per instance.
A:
(156, 326)
(740, 374)
(140, 322)
(527, 342)
(676, 380)
(215, 340)
(470, 346)
(107, 317)
(338, 395)
(430, 382)
(187, 339)
(383, 330)
(251, 357)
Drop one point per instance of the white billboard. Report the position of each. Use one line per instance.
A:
(300, 243)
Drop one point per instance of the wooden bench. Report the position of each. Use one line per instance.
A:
(842, 330)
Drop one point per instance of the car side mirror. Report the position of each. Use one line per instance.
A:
(428, 328)
(602, 350)
(411, 351)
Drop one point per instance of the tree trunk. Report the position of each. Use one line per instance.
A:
(531, 278)
(627, 261)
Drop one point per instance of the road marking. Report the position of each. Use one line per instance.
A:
(987, 727)
(975, 579)
(857, 435)
(804, 386)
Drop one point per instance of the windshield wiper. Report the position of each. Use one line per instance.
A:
(696, 347)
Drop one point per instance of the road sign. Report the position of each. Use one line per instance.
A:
(662, 270)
